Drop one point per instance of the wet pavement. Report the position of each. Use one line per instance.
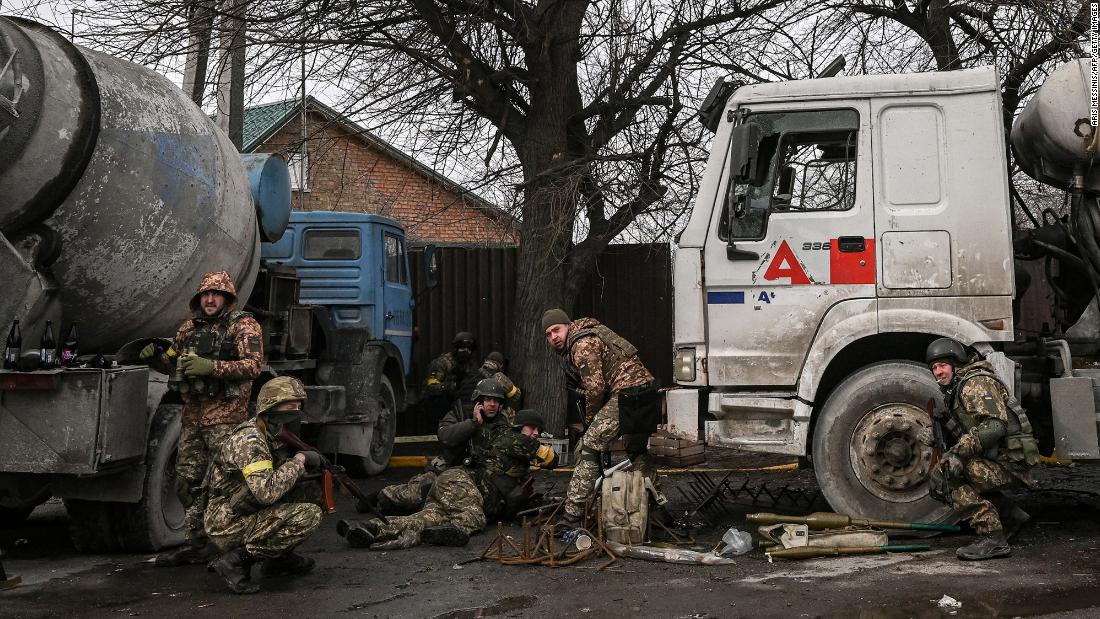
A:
(1055, 571)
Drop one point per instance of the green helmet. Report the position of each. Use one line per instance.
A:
(465, 339)
(488, 388)
(278, 390)
(529, 417)
(945, 349)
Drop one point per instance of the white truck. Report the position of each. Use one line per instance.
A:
(842, 225)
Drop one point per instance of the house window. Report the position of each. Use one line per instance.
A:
(331, 244)
(299, 172)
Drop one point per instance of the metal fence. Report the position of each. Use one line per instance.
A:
(630, 291)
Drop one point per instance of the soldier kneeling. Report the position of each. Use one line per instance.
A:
(258, 510)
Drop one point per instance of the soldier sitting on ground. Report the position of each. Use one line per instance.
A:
(493, 487)
(994, 449)
(463, 435)
(259, 509)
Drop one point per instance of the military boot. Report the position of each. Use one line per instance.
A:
(289, 564)
(192, 552)
(235, 567)
(991, 546)
(359, 533)
(445, 535)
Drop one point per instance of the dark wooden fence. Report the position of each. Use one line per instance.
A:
(630, 291)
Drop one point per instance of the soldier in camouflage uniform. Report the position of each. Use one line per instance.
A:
(611, 380)
(463, 436)
(261, 505)
(493, 367)
(212, 362)
(494, 486)
(993, 447)
(452, 376)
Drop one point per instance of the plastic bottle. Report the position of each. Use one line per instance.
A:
(13, 346)
(737, 542)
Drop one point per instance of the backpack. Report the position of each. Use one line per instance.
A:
(624, 507)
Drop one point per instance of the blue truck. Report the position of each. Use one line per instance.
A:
(111, 228)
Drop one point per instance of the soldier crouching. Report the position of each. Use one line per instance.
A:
(258, 508)
(464, 498)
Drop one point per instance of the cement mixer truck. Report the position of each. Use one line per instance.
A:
(116, 195)
(842, 225)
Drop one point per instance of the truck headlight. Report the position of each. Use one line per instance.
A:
(683, 365)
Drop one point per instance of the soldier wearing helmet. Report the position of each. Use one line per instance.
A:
(259, 509)
(993, 448)
(212, 362)
(463, 498)
(464, 436)
(452, 375)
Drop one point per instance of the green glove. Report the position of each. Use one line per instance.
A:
(183, 491)
(313, 460)
(148, 352)
(194, 365)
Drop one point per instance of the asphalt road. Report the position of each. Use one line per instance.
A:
(1054, 571)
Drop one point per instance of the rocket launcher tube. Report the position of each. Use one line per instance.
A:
(830, 520)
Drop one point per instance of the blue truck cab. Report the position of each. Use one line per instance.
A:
(354, 264)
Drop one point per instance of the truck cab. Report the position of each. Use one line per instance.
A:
(842, 225)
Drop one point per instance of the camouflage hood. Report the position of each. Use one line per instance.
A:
(219, 281)
(976, 364)
(575, 327)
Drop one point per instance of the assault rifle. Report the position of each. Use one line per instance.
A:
(338, 473)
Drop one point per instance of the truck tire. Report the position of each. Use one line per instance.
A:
(866, 457)
(385, 430)
(156, 521)
(91, 526)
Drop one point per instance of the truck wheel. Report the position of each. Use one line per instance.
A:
(156, 521)
(866, 456)
(385, 430)
(91, 526)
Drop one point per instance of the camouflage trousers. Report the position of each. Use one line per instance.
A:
(453, 499)
(271, 532)
(973, 498)
(196, 449)
(597, 438)
(409, 496)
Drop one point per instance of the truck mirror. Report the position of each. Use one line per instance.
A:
(745, 154)
(431, 266)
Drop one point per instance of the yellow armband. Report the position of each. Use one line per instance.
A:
(256, 467)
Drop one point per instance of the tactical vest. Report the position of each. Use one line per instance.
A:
(211, 341)
(611, 339)
(1020, 446)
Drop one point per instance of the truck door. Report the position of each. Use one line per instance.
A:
(396, 294)
(794, 238)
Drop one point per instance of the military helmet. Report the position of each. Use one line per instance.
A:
(278, 390)
(488, 388)
(529, 417)
(496, 358)
(945, 349)
(465, 339)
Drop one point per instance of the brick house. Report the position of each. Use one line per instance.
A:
(349, 169)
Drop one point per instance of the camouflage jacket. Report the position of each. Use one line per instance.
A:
(446, 376)
(975, 398)
(247, 459)
(462, 436)
(244, 341)
(606, 363)
(506, 467)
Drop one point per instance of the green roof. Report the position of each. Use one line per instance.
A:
(261, 120)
